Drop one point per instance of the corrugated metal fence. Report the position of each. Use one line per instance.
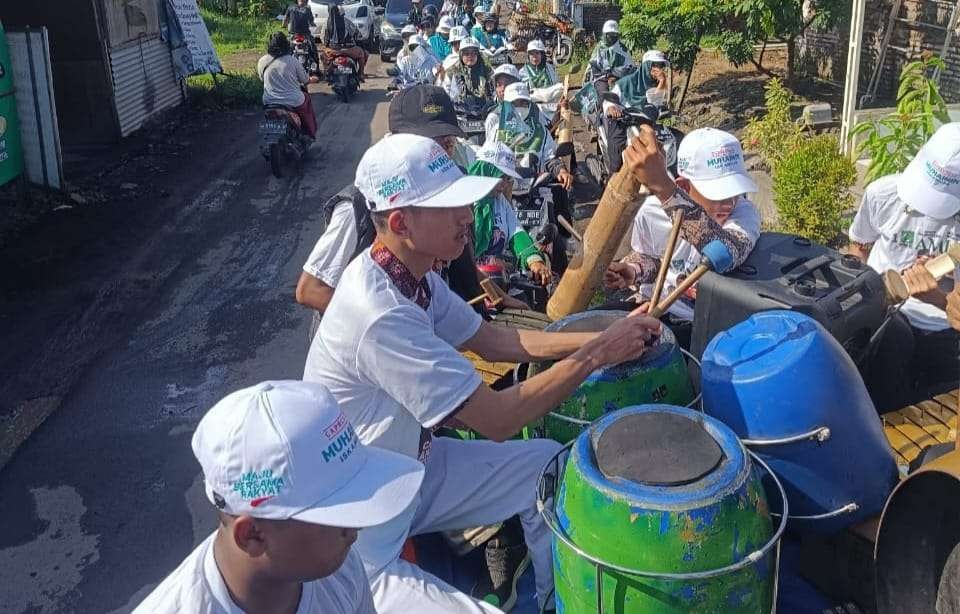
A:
(143, 81)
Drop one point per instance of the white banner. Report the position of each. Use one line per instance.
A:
(193, 51)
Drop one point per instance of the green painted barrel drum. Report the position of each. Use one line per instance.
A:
(658, 376)
(659, 489)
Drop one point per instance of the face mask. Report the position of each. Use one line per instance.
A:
(611, 39)
(522, 112)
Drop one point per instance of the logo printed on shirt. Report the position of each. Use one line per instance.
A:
(905, 238)
(258, 486)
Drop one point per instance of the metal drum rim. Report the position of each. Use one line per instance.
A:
(550, 518)
(725, 479)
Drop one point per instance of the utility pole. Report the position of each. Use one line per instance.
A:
(852, 81)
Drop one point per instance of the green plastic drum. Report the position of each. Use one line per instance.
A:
(659, 489)
(659, 376)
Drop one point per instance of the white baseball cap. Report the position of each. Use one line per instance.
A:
(284, 450)
(406, 170)
(516, 91)
(446, 24)
(536, 45)
(458, 33)
(931, 182)
(408, 30)
(713, 161)
(506, 69)
(417, 39)
(655, 56)
(469, 43)
(498, 154)
(611, 27)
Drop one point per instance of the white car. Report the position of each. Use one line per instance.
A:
(363, 14)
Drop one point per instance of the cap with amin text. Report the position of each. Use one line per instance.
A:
(713, 162)
(931, 182)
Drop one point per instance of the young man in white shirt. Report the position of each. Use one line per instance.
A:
(292, 484)
(388, 349)
(904, 219)
(712, 173)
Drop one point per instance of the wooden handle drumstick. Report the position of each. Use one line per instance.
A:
(667, 257)
(491, 292)
(682, 287)
(563, 222)
(939, 267)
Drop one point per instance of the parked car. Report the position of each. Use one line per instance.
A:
(394, 18)
(363, 14)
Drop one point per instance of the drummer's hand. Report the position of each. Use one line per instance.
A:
(644, 308)
(918, 278)
(691, 293)
(619, 275)
(953, 307)
(614, 113)
(540, 273)
(565, 179)
(646, 162)
(627, 338)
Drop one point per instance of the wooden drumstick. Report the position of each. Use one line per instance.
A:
(573, 231)
(682, 287)
(667, 257)
(491, 292)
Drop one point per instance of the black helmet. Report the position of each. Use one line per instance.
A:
(278, 44)
(431, 11)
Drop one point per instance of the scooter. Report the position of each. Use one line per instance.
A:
(471, 115)
(303, 52)
(534, 202)
(499, 56)
(650, 115)
(343, 75)
(282, 141)
(556, 37)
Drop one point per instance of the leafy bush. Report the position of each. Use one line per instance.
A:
(811, 185)
(775, 134)
(894, 140)
(232, 34)
(226, 91)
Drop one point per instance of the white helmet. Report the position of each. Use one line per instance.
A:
(446, 24)
(536, 45)
(469, 43)
(516, 91)
(655, 56)
(611, 27)
(408, 30)
(479, 11)
(458, 33)
(417, 39)
(506, 69)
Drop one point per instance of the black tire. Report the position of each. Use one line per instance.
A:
(344, 95)
(277, 153)
(564, 53)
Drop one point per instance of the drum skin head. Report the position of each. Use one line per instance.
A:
(657, 449)
(919, 532)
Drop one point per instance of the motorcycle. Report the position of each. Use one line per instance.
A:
(471, 115)
(533, 199)
(282, 141)
(556, 37)
(499, 56)
(303, 52)
(343, 75)
(516, 284)
(649, 114)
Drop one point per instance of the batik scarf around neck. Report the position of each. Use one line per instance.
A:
(416, 290)
(538, 76)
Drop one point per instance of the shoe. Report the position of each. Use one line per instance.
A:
(505, 565)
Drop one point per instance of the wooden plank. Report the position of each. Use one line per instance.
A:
(917, 435)
(929, 417)
(901, 444)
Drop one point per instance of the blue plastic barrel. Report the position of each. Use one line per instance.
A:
(779, 375)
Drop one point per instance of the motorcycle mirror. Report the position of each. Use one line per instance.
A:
(565, 149)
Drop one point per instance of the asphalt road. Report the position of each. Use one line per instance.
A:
(134, 322)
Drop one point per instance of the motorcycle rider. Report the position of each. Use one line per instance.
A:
(489, 34)
(609, 54)
(298, 19)
(415, 14)
(632, 93)
(340, 38)
(538, 71)
(285, 81)
(496, 229)
(405, 33)
(456, 11)
(504, 75)
(470, 76)
(418, 66)
(457, 34)
(440, 41)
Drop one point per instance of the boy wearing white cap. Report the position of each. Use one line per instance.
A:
(292, 484)
(388, 351)
(904, 219)
(713, 185)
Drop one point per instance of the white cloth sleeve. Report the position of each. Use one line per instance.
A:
(611, 105)
(453, 320)
(865, 226)
(403, 356)
(332, 253)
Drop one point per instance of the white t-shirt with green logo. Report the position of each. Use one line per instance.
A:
(196, 586)
(899, 236)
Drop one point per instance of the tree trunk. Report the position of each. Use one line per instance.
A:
(686, 83)
(232, 7)
(791, 58)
